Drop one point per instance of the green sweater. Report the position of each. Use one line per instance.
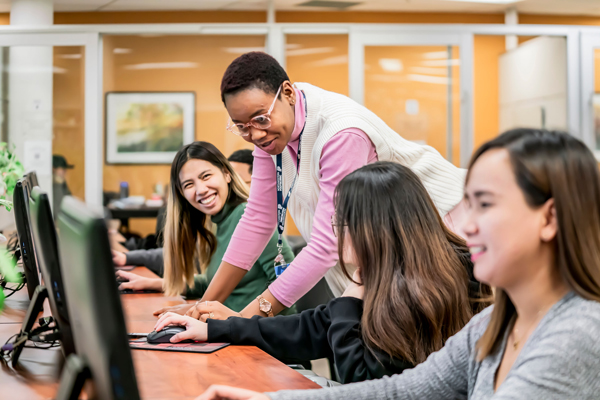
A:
(258, 277)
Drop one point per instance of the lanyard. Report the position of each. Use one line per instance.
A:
(282, 203)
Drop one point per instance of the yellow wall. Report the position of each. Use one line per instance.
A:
(487, 49)
(157, 17)
(128, 17)
(389, 87)
(388, 17)
(558, 19)
(321, 60)
(212, 60)
(208, 56)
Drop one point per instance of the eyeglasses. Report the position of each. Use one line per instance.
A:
(334, 225)
(262, 121)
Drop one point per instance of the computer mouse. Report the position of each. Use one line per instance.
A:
(165, 335)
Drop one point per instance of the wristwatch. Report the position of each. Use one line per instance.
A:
(265, 306)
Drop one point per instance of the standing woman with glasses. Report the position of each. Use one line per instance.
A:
(307, 139)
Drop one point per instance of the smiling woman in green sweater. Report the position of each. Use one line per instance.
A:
(206, 193)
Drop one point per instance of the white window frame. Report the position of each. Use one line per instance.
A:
(275, 33)
(90, 41)
(360, 37)
(589, 42)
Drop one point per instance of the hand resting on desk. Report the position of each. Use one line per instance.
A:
(204, 310)
(218, 392)
(180, 309)
(201, 310)
(136, 282)
(194, 329)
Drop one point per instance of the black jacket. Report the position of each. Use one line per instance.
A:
(328, 330)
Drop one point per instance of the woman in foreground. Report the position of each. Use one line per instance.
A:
(533, 230)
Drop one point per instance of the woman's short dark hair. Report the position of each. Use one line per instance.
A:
(253, 70)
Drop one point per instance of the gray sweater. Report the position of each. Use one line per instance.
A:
(151, 259)
(561, 360)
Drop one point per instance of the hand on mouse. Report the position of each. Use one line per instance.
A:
(178, 309)
(204, 310)
(217, 392)
(136, 282)
(194, 329)
(119, 258)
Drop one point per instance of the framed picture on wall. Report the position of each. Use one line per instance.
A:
(148, 127)
(596, 103)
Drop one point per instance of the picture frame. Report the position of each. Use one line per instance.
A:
(148, 127)
(596, 106)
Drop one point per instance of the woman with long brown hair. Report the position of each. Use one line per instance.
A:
(206, 201)
(410, 290)
(533, 229)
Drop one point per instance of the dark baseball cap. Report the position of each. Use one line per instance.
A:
(59, 161)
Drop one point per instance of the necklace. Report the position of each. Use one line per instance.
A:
(516, 341)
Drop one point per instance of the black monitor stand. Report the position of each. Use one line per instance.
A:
(36, 306)
(74, 375)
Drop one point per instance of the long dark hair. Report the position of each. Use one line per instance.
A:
(553, 165)
(415, 285)
(188, 231)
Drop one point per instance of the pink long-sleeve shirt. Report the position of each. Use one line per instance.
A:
(345, 152)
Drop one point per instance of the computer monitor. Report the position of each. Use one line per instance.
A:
(20, 202)
(41, 229)
(46, 246)
(101, 341)
(32, 179)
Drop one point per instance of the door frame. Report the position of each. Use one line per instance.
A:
(90, 41)
(589, 42)
(360, 37)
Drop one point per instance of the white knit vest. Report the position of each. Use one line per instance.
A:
(329, 113)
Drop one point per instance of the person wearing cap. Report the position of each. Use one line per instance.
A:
(60, 189)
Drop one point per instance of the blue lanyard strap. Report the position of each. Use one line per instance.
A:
(281, 202)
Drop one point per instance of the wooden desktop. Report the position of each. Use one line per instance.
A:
(160, 375)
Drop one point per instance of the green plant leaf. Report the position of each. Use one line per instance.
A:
(8, 267)
(1, 300)
(11, 170)
(7, 204)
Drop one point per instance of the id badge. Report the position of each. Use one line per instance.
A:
(279, 268)
(280, 265)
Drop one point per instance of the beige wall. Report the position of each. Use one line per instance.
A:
(140, 66)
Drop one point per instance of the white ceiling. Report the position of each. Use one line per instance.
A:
(565, 7)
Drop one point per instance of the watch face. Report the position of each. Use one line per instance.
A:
(265, 307)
